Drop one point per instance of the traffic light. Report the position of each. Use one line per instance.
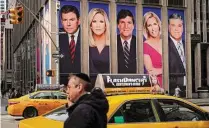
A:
(20, 12)
(12, 15)
(16, 15)
(50, 73)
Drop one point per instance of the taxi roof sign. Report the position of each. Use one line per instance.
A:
(113, 84)
(41, 87)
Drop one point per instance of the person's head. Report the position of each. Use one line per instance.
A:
(70, 18)
(175, 28)
(125, 21)
(78, 85)
(13, 89)
(99, 25)
(152, 25)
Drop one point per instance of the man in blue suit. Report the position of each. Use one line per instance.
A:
(177, 62)
(69, 42)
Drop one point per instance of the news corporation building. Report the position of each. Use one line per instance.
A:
(37, 47)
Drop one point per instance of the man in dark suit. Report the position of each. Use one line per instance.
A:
(69, 43)
(177, 63)
(126, 42)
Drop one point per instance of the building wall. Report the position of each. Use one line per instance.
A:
(25, 40)
(27, 34)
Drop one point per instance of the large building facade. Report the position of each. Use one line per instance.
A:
(33, 46)
(6, 47)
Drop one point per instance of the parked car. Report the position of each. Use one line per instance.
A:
(36, 103)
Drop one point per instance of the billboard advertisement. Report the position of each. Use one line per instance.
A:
(176, 51)
(69, 42)
(46, 44)
(124, 83)
(99, 39)
(126, 38)
(152, 43)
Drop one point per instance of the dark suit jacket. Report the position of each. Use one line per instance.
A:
(121, 60)
(176, 67)
(66, 66)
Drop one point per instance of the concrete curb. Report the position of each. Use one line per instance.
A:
(200, 102)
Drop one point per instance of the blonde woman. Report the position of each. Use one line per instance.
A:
(99, 41)
(153, 45)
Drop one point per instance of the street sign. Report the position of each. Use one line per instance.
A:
(195, 38)
(57, 55)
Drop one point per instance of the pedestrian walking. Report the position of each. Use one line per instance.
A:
(87, 106)
(12, 93)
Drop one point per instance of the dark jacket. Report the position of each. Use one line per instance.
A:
(176, 68)
(132, 58)
(88, 112)
(66, 66)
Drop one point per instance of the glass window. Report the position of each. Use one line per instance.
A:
(176, 3)
(157, 2)
(43, 95)
(134, 111)
(126, 1)
(179, 111)
(59, 95)
(59, 114)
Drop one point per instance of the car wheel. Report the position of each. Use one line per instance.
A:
(30, 112)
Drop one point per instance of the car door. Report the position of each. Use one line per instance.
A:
(43, 101)
(60, 98)
(178, 114)
(136, 114)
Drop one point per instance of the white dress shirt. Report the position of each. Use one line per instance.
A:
(75, 36)
(129, 43)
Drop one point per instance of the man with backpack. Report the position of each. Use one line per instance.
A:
(87, 106)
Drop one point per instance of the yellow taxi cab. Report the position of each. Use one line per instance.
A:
(36, 103)
(130, 110)
(134, 111)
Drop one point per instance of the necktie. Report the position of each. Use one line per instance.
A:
(126, 54)
(72, 48)
(181, 53)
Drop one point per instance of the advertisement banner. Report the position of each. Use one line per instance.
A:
(69, 39)
(124, 83)
(176, 51)
(152, 44)
(46, 44)
(126, 38)
(99, 39)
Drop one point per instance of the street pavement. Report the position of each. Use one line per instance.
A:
(4, 103)
(8, 121)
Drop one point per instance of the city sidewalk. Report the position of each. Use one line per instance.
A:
(200, 102)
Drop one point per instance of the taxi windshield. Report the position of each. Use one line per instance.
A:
(59, 114)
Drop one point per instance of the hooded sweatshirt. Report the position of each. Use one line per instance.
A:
(89, 111)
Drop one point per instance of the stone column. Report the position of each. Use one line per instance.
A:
(188, 23)
(207, 64)
(55, 37)
(139, 30)
(113, 38)
(204, 21)
(164, 19)
(198, 49)
(84, 35)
